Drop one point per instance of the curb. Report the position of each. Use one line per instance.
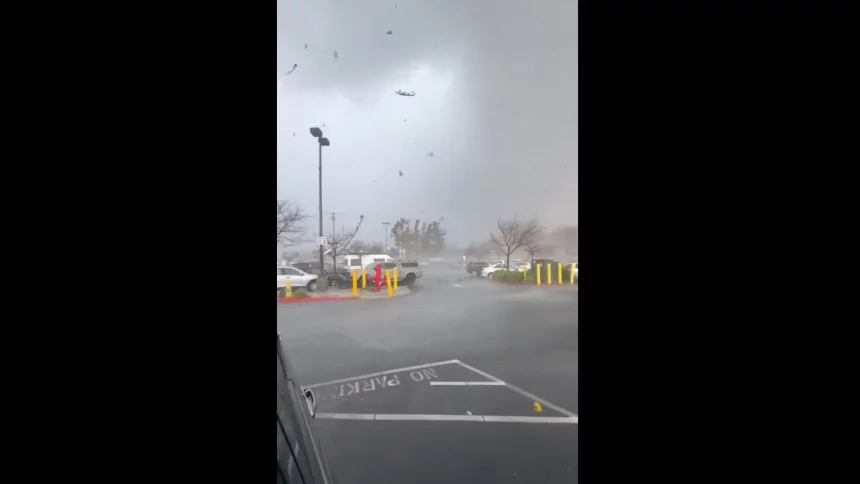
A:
(533, 285)
(284, 300)
(315, 299)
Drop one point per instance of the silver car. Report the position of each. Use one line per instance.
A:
(297, 278)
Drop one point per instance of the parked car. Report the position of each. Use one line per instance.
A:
(301, 459)
(340, 277)
(407, 271)
(575, 269)
(488, 271)
(296, 277)
(476, 267)
(311, 267)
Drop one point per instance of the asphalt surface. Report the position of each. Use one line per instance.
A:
(372, 361)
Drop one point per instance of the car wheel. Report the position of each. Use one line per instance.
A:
(312, 286)
(410, 279)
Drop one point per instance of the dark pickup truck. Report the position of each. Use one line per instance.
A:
(475, 268)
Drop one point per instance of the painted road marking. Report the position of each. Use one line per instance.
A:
(458, 285)
(520, 391)
(448, 418)
(470, 383)
(353, 385)
(380, 373)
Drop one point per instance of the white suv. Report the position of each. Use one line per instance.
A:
(296, 277)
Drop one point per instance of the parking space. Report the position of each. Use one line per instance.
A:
(443, 391)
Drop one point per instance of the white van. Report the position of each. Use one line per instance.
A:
(355, 261)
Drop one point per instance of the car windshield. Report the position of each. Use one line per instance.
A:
(440, 139)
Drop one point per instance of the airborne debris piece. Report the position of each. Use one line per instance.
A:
(335, 55)
(294, 135)
(401, 172)
(306, 46)
(404, 93)
(388, 32)
(431, 154)
(291, 70)
(323, 125)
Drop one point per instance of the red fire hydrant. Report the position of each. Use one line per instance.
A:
(377, 275)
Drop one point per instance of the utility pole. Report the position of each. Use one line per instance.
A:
(386, 224)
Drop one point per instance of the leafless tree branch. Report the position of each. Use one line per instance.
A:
(290, 227)
(512, 235)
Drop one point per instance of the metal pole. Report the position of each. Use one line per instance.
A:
(321, 212)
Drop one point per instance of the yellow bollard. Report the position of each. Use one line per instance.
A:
(538, 274)
(560, 279)
(572, 271)
(288, 289)
(354, 284)
(388, 281)
(549, 273)
(395, 278)
(363, 278)
(524, 272)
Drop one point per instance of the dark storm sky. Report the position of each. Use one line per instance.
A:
(496, 101)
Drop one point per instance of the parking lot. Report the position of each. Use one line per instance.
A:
(462, 381)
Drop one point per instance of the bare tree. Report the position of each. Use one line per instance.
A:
(341, 244)
(513, 235)
(531, 249)
(290, 227)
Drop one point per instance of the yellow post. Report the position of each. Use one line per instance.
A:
(388, 281)
(524, 272)
(538, 274)
(549, 273)
(354, 284)
(395, 278)
(363, 278)
(560, 279)
(288, 289)
(572, 271)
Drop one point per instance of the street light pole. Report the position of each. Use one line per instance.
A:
(322, 266)
(386, 224)
(317, 133)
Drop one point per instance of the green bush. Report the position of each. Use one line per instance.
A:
(282, 293)
(300, 293)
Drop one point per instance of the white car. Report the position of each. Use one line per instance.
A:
(296, 277)
(488, 271)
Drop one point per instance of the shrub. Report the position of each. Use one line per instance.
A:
(300, 293)
(282, 293)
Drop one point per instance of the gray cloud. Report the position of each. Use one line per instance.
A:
(496, 101)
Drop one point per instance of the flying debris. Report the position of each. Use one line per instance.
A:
(403, 93)
(291, 70)
(404, 120)
(323, 125)
(401, 172)
(388, 32)
(294, 135)
(306, 46)
(431, 154)
(335, 55)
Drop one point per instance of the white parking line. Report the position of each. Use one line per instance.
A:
(520, 391)
(379, 373)
(458, 285)
(470, 383)
(406, 417)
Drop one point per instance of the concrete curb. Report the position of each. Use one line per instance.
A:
(520, 284)
(339, 298)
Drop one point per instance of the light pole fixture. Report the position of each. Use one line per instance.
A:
(317, 133)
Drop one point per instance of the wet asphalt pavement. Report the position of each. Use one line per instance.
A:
(372, 363)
